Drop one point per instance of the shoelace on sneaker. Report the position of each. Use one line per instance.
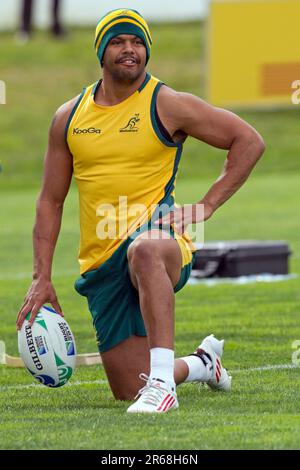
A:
(152, 392)
(204, 356)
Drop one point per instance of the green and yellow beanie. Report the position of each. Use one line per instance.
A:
(121, 21)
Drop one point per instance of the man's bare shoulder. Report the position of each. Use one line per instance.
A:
(197, 118)
(176, 106)
(63, 113)
(169, 97)
(61, 116)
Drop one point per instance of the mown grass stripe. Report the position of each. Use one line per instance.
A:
(105, 382)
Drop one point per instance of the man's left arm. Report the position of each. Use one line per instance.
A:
(219, 128)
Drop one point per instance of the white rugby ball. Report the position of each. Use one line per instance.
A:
(48, 348)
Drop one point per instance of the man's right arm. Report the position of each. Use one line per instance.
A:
(58, 169)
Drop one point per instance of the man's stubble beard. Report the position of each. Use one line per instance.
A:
(123, 76)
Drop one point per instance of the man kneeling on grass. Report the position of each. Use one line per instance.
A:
(122, 139)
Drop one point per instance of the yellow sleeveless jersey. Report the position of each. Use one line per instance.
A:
(123, 166)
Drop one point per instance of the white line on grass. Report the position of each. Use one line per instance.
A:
(42, 387)
(210, 282)
(105, 382)
(263, 368)
(28, 275)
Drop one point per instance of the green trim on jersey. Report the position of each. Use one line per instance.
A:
(73, 112)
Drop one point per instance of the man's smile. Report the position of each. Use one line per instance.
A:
(128, 61)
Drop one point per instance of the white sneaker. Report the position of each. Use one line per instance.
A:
(213, 348)
(154, 397)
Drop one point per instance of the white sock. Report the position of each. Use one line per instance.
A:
(162, 365)
(198, 370)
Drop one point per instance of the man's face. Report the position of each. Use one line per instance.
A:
(125, 58)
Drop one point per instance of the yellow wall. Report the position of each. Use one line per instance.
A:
(253, 51)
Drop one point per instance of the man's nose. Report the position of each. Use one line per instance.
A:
(128, 46)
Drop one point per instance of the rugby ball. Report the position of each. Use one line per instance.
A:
(48, 348)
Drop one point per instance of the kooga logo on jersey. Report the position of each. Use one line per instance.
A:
(90, 130)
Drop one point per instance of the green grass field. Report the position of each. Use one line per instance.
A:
(258, 321)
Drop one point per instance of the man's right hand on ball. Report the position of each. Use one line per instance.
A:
(40, 292)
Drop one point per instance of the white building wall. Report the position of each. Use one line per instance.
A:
(87, 12)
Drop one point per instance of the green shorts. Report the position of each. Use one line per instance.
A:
(113, 300)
